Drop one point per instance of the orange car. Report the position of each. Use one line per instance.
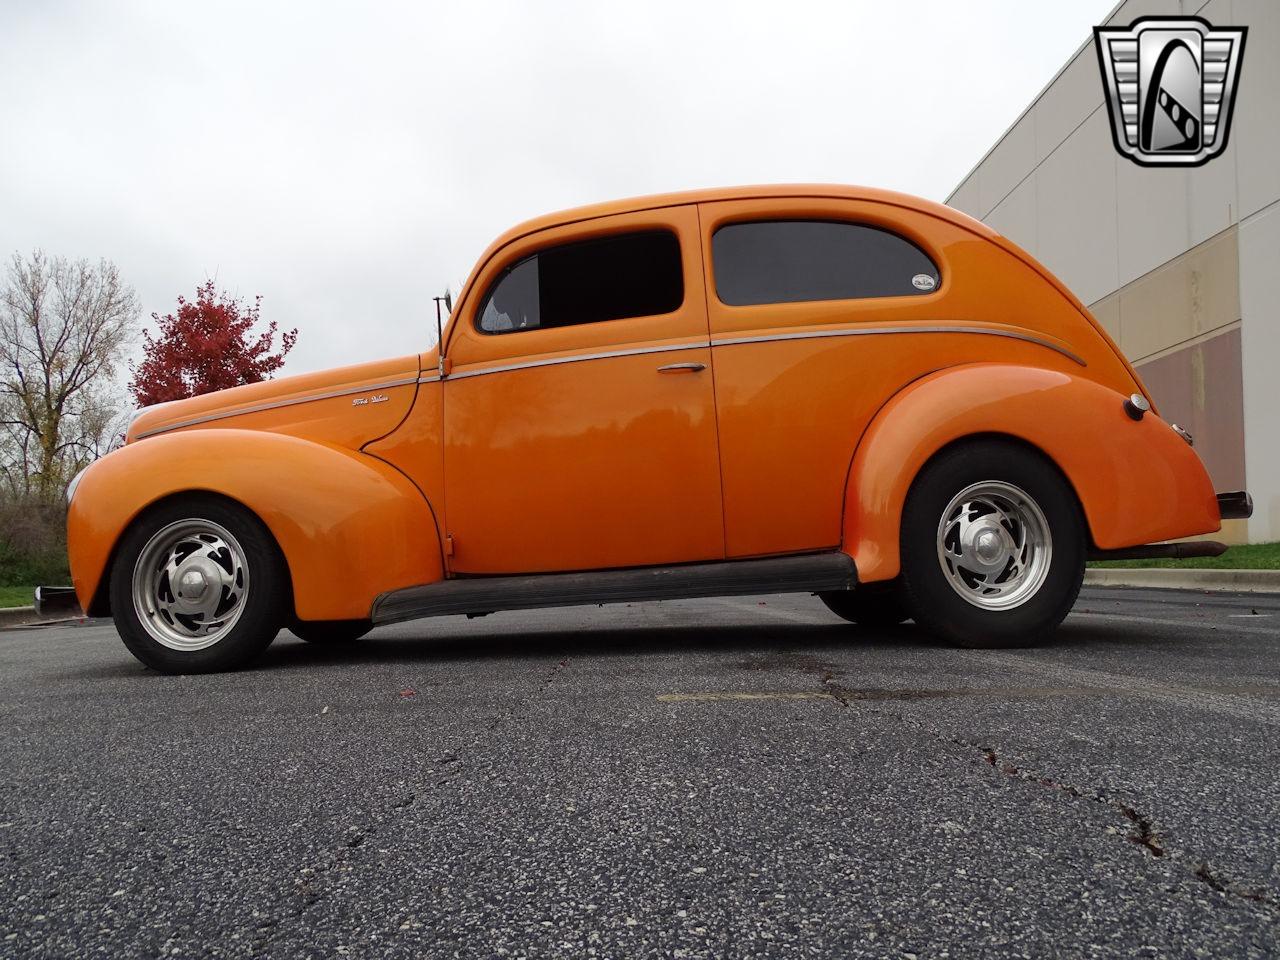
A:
(821, 389)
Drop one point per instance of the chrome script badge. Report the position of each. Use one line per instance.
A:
(1171, 85)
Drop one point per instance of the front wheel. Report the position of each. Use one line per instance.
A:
(993, 546)
(198, 585)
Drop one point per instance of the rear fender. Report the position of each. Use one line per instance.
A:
(1137, 482)
(350, 526)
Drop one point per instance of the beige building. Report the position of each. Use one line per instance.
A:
(1182, 266)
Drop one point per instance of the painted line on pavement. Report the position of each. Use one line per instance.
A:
(1228, 704)
(778, 695)
(1168, 622)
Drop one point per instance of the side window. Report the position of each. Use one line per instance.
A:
(630, 275)
(787, 261)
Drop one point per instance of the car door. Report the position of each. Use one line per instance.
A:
(806, 298)
(579, 419)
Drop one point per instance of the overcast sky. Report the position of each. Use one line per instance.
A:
(349, 160)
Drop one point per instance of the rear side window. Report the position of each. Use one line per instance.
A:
(787, 261)
(630, 275)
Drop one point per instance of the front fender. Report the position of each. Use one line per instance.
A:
(350, 526)
(1138, 482)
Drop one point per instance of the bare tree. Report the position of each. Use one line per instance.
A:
(63, 328)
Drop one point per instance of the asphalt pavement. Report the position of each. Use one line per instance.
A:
(709, 778)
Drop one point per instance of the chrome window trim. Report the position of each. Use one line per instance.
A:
(577, 358)
(877, 331)
(277, 404)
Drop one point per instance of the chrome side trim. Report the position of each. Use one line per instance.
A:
(554, 361)
(429, 378)
(877, 331)
(766, 338)
(277, 404)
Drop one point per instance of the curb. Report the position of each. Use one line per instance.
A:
(13, 616)
(1249, 581)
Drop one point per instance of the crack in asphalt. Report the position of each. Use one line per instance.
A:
(312, 881)
(1143, 833)
(552, 674)
(514, 706)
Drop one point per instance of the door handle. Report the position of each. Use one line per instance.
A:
(682, 368)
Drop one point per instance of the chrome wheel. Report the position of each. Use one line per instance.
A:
(994, 545)
(190, 584)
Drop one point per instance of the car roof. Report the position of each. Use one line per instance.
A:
(833, 191)
(817, 190)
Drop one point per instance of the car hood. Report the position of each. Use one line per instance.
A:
(346, 405)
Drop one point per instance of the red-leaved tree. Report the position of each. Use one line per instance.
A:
(209, 344)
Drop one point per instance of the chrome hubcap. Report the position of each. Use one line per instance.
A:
(190, 584)
(994, 545)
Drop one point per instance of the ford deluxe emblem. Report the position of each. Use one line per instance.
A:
(922, 281)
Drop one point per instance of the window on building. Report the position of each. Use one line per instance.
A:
(787, 261)
(631, 275)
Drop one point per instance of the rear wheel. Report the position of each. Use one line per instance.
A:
(198, 585)
(330, 633)
(993, 546)
(875, 605)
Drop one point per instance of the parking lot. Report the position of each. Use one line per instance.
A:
(711, 778)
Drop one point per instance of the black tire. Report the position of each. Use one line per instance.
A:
(330, 633)
(875, 606)
(928, 588)
(265, 601)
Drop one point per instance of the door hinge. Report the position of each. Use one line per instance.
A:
(448, 545)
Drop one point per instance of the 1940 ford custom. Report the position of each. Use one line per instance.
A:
(833, 390)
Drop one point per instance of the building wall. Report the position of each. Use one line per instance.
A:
(1181, 266)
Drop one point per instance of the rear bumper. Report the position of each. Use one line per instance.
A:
(1236, 505)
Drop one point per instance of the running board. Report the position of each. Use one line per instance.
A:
(479, 595)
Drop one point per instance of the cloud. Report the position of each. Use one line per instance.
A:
(350, 160)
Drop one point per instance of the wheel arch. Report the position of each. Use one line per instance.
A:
(1013, 440)
(339, 517)
(100, 604)
(1136, 482)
